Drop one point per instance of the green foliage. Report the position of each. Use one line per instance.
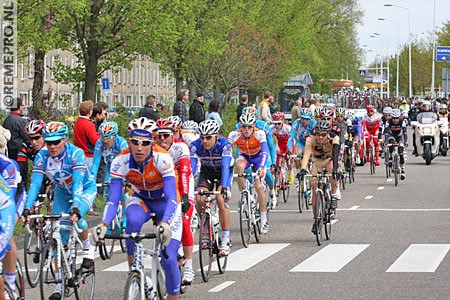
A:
(229, 119)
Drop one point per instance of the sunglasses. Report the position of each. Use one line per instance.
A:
(396, 118)
(37, 137)
(327, 119)
(107, 138)
(163, 135)
(206, 137)
(144, 143)
(54, 143)
(278, 124)
(306, 119)
(323, 134)
(247, 126)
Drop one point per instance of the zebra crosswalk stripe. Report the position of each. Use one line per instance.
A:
(420, 258)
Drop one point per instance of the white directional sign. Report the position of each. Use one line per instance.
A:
(362, 73)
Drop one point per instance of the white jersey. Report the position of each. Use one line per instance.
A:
(282, 135)
(181, 157)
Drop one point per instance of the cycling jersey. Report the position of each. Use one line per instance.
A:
(300, 133)
(7, 219)
(371, 125)
(188, 136)
(356, 127)
(216, 160)
(108, 155)
(264, 126)
(322, 153)
(282, 136)
(253, 148)
(397, 130)
(9, 170)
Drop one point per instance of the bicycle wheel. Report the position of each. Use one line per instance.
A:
(132, 289)
(300, 197)
(326, 212)
(162, 291)
(20, 281)
(205, 246)
(372, 162)
(307, 195)
(244, 219)
(396, 169)
(257, 217)
(348, 168)
(47, 280)
(277, 182)
(342, 180)
(319, 216)
(388, 167)
(84, 279)
(221, 260)
(31, 254)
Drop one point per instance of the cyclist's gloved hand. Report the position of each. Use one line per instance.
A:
(302, 173)
(335, 175)
(99, 232)
(75, 214)
(226, 193)
(261, 173)
(185, 205)
(25, 214)
(164, 234)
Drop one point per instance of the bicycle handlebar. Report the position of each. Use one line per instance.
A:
(206, 193)
(54, 217)
(133, 236)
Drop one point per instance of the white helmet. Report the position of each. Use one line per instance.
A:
(176, 120)
(396, 113)
(350, 115)
(387, 110)
(247, 119)
(141, 123)
(208, 127)
(190, 125)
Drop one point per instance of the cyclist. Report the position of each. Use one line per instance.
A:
(177, 122)
(189, 132)
(356, 133)
(181, 157)
(10, 173)
(387, 110)
(395, 131)
(214, 151)
(371, 124)
(149, 170)
(7, 224)
(74, 191)
(282, 132)
(272, 157)
(253, 148)
(325, 152)
(301, 129)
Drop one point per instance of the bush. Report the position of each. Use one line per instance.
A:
(229, 120)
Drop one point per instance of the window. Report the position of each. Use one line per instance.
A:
(30, 65)
(45, 68)
(52, 65)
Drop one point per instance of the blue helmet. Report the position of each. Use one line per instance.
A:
(306, 113)
(108, 129)
(250, 110)
(54, 131)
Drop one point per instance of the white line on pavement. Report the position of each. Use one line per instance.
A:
(221, 286)
(332, 258)
(380, 188)
(389, 180)
(354, 207)
(368, 197)
(420, 258)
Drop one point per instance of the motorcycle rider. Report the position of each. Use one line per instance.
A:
(426, 107)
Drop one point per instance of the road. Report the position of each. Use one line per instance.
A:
(388, 243)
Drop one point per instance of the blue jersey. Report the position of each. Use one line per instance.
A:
(218, 159)
(299, 133)
(108, 155)
(262, 125)
(68, 171)
(10, 171)
(7, 219)
(357, 127)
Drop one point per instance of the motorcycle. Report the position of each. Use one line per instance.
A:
(444, 135)
(427, 135)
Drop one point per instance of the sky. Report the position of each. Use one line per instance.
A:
(421, 12)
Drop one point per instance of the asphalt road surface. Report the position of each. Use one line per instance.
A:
(388, 243)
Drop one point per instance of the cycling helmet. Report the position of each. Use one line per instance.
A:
(248, 119)
(323, 125)
(108, 129)
(350, 115)
(34, 127)
(189, 125)
(306, 113)
(278, 117)
(164, 125)
(396, 113)
(141, 127)
(427, 105)
(370, 108)
(54, 131)
(340, 111)
(443, 109)
(176, 120)
(317, 112)
(325, 112)
(330, 105)
(208, 127)
(250, 110)
(387, 110)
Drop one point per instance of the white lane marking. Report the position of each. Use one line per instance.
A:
(389, 180)
(354, 207)
(370, 209)
(368, 197)
(334, 221)
(380, 188)
(420, 258)
(246, 258)
(332, 258)
(221, 286)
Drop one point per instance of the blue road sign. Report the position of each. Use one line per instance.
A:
(362, 73)
(443, 53)
(105, 83)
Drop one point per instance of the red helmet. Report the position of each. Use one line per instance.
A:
(370, 108)
(34, 126)
(164, 124)
(278, 117)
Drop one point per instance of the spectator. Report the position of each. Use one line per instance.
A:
(99, 113)
(179, 108)
(273, 108)
(85, 135)
(16, 125)
(314, 104)
(213, 112)
(149, 110)
(264, 110)
(243, 103)
(295, 111)
(196, 111)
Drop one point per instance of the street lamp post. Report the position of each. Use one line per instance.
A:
(397, 52)
(433, 52)
(381, 58)
(409, 50)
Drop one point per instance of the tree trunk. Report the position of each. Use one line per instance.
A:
(37, 93)
(90, 82)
